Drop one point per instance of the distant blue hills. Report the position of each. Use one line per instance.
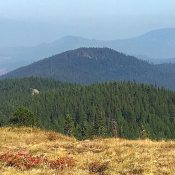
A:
(157, 46)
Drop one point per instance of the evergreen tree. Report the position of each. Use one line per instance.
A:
(24, 117)
(91, 108)
(68, 125)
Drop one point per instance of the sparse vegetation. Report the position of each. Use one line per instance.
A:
(30, 151)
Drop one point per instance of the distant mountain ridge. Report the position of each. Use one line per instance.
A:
(90, 65)
(158, 44)
(154, 45)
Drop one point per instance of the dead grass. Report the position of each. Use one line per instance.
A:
(20, 147)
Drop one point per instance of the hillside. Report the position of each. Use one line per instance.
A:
(88, 111)
(89, 65)
(27, 151)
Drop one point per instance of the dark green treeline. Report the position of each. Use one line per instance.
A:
(87, 111)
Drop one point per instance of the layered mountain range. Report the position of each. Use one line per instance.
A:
(157, 46)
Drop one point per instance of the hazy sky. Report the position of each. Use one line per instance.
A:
(100, 19)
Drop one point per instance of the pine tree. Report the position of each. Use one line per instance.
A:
(24, 117)
(68, 125)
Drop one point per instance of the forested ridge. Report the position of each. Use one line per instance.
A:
(88, 110)
(92, 65)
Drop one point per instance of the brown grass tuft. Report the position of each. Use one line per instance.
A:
(62, 163)
(98, 167)
(52, 136)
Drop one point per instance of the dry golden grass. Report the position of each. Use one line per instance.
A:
(67, 156)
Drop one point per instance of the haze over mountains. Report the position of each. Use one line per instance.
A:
(157, 46)
(90, 65)
(99, 72)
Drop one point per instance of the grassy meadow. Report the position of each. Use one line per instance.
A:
(31, 151)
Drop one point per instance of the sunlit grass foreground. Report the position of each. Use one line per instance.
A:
(33, 151)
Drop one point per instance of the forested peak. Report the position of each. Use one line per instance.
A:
(103, 53)
(90, 65)
(92, 52)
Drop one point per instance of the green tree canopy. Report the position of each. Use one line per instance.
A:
(24, 117)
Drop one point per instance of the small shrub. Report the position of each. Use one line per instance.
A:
(27, 161)
(52, 136)
(61, 163)
(24, 117)
(21, 160)
(97, 167)
(144, 134)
